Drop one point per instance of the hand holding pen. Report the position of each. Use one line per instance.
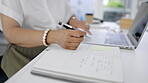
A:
(68, 38)
(72, 28)
(80, 24)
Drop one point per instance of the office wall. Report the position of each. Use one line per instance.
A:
(98, 9)
(81, 7)
(135, 6)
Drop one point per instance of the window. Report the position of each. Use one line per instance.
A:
(113, 10)
(81, 7)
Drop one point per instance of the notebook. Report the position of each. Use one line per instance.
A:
(89, 63)
(130, 40)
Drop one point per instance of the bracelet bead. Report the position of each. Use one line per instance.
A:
(44, 38)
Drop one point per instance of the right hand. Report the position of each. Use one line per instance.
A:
(68, 39)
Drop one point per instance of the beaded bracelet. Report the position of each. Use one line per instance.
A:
(45, 37)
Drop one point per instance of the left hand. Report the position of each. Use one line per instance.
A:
(80, 24)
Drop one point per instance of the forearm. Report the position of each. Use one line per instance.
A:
(24, 37)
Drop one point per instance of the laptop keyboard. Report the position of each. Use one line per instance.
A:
(116, 39)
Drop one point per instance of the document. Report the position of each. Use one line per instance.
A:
(89, 63)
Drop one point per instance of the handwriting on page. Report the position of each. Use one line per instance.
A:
(94, 63)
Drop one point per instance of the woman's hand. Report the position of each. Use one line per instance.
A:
(80, 24)
(68, 39)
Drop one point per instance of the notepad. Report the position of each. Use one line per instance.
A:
(86, 64)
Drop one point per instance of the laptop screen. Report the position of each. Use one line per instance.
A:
(139, 23)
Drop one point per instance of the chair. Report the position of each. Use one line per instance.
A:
(3, 44)
(3, 76)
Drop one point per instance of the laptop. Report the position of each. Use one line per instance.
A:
(130, 40)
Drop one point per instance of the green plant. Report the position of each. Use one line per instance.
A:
(115, 3)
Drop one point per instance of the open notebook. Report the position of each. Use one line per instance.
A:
(89, 63)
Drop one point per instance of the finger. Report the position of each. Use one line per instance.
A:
(88, 32)
(73, 46)
(75, 39)
(85, 30)
(87, 26)
(77, 33)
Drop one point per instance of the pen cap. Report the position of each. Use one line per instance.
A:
(66, 26)
(60, 23)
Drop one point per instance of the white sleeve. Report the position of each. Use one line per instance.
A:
(69, 11)
(12, 9)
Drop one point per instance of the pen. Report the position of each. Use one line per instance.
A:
(70, 27)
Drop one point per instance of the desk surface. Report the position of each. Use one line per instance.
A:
(135, 70)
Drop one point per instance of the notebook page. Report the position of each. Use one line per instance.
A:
(89, 61)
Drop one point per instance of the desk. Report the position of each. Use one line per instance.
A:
(135, 70)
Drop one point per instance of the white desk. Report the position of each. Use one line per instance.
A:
(135, 70)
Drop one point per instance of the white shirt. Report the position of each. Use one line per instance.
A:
(37, 14)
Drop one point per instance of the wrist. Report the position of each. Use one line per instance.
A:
(51, 37)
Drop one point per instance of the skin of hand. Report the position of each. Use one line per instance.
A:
(80, 24)
(68, 39)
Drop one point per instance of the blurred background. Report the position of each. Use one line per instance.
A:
(108, 10)
(121, 12)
